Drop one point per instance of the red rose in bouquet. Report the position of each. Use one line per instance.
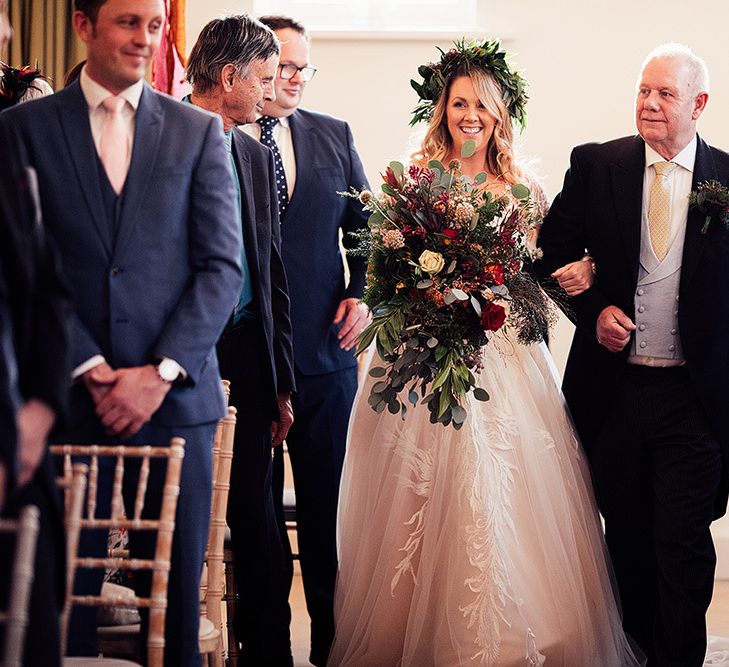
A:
(493, 317)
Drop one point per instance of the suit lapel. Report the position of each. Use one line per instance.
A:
(147, 134)
(704, 169)
(73, 114)
(627, 189)
(303, 135)
(250, 235)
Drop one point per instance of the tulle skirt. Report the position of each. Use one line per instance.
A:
(474, 547)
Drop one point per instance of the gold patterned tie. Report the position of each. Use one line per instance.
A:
(659, 209)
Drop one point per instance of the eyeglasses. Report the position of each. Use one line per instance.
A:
(288, 71)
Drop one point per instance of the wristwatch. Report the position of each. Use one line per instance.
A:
(168, 370)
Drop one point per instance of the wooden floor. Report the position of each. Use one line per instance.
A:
(718, 618)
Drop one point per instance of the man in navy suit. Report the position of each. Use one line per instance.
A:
(315, 158)
(231, 69)
(34, 319)
(137, 191)
(647, 380)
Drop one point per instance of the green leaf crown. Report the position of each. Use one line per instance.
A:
(464, 57)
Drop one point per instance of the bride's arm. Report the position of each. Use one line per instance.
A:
(576, 277)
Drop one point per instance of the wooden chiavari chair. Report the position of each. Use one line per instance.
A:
(164, 527)
(15, 618)
(211, 623)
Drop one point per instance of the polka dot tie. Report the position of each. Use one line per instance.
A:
(659, 209)
(267, 124)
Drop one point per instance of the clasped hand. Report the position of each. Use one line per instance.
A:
(125, 398)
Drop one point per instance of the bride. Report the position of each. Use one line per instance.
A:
(478, 546)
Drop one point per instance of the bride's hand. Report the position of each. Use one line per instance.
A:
(576, 277)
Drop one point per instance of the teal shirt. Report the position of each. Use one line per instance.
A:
(246, 292)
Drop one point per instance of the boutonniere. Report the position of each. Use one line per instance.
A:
(711, 198)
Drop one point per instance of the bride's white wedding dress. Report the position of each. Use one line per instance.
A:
(474, 547)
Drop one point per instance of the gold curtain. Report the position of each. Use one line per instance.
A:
(44, 34)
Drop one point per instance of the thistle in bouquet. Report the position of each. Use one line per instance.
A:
(445, 272)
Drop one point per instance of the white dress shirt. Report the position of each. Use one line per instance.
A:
(282, 137)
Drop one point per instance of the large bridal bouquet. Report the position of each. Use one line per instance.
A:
(446, 261)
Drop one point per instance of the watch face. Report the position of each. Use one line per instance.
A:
(167, 370)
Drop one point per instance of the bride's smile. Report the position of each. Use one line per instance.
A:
(468, 119)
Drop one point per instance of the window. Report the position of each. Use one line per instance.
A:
(377, 15)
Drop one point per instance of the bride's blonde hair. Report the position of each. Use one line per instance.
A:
(438, 143)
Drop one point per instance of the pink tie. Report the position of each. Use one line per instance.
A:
(114, 142)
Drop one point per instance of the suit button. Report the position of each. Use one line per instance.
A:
(641, 327)
(115, 270)
(641, 292)
(641, 309)
(644, 344)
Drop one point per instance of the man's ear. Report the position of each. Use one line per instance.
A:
(227, 77)
(83, 25)
(700, 104)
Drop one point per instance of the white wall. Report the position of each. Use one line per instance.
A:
(580, 56)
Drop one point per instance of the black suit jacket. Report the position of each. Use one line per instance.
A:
(599, 211)
(34, 304)
(326, 163)
(262, 237)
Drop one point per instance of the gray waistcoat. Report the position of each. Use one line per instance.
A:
(656, 300)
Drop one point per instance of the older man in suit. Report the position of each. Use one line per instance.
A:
(647, 378)
(231, 69)
(137, 192)
(315, 159)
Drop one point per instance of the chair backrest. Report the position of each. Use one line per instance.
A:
(164, 526)
(73, 484)
(222, 461)
(15, 618)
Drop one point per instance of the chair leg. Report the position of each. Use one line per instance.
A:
(231, 595)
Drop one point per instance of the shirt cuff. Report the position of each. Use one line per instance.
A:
(181, 372)
(95, 361)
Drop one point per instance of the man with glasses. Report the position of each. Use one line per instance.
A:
(315, 158)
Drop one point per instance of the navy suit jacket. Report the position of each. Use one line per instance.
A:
(166, 282)
(254, 163)
(599, 210)
(34, 304)
(326, 163)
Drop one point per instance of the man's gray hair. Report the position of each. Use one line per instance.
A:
(236, 40)
(698, 70)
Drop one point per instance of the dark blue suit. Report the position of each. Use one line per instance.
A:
(256, 356)
(158, 281)
(34, 315)
(326, 376)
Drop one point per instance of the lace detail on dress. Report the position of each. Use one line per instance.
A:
(419, 467)
(533, 657)
(487, 536)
